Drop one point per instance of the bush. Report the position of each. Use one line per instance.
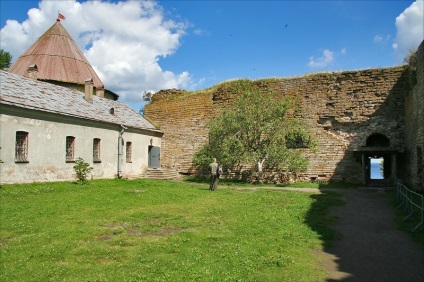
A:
(82, 169)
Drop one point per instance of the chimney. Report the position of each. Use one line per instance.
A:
(32, 71)
(89, 90)
(100, 91)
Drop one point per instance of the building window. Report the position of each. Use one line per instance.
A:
(21, 149)
(128, 152)
(70, 148)
(96, 150)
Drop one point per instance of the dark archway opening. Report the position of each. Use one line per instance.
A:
(377, 140)
(378, 161)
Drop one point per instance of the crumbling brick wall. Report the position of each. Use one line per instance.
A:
(342, 109)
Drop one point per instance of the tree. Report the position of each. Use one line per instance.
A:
(260, 127)
(5, 59)
(411, 63)
(411, 59)
(147, 99)
(82, 169)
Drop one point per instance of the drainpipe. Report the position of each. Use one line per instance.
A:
(120, 145)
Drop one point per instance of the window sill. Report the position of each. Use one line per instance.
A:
(70, 161)
(21, 162)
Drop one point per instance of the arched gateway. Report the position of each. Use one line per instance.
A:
(378, 154)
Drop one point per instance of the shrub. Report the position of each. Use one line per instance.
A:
(82, 169)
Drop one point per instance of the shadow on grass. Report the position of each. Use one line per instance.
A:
(223, 181)
(319, 217)
(320, 185)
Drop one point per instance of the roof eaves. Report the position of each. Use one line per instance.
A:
(2, 101)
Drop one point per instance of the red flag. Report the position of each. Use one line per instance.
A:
(60, 16)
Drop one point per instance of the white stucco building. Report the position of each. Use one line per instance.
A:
(54, 109)
(45, 127)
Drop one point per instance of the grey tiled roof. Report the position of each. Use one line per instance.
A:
(28, 93)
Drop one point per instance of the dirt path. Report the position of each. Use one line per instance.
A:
(370, 247)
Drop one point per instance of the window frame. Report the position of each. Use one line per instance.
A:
(128, 152)
(21, 147)
(96, 150)
(70, 149)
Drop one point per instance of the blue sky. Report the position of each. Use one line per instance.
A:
(138, 46)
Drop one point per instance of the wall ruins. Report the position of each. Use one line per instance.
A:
(343, 110)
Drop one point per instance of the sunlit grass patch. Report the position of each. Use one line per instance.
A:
(108, 230)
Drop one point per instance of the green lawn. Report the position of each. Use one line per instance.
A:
(151, 230)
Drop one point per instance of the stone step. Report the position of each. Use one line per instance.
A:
(160, 173)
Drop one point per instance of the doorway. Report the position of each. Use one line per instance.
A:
(154, 157)
(376, 168)
(378, 160)
(379, 168)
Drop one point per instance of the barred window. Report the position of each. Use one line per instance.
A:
(128, 152)
(96, 150)
(21, 149)
(70, 148)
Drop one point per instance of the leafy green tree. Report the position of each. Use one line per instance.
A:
(5, 60)
(260, 127)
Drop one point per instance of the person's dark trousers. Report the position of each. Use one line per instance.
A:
(213, 182)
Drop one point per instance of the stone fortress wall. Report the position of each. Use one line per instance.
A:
(342, 109)
(414, 129)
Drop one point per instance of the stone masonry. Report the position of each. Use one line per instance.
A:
(414, 113)
(342, 109)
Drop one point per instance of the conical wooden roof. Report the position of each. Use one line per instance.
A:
(57, 57)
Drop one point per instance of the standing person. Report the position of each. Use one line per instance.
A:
(213, 168)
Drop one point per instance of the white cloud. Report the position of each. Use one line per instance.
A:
(410, 30)
(123, 41)
(379, 38)
(201, 32)
(326, 59)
